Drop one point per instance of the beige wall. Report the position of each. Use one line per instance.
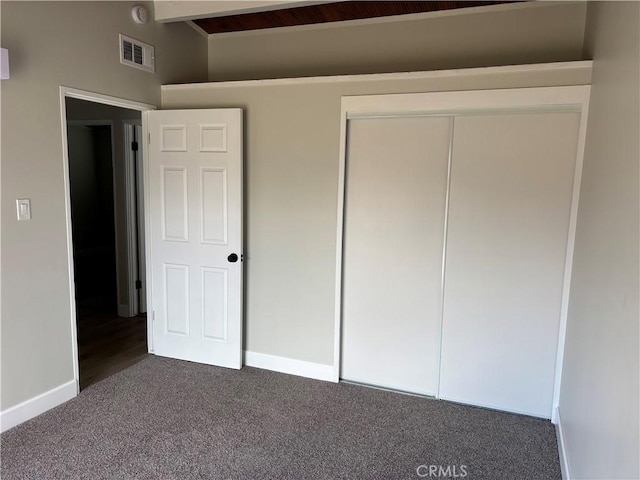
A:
(599, 401)
(504, 35)
(291, 181)
(51, 44)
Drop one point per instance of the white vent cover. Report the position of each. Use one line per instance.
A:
(137, 54)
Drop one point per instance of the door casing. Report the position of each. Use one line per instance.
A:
(68, 92)
(134, 181)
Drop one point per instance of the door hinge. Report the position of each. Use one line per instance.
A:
(134, 146)
(138, 284)
(153, 316)
(149, 138)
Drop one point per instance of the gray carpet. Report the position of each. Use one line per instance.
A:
(167, 419)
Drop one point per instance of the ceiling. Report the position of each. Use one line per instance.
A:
(329, 12)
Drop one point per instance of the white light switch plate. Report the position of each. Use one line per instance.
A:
(24, 208)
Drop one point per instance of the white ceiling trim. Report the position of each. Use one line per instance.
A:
(584, 66)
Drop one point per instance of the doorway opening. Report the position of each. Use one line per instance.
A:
(105, 188)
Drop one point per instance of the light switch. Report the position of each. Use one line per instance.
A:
(24, 208)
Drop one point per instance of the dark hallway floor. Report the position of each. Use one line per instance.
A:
(107, 343)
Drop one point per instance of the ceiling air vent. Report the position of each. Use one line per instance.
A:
(137, 54)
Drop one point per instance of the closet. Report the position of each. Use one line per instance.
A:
(457, 240)
(394, 224)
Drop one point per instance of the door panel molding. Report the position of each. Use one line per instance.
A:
(194, 222)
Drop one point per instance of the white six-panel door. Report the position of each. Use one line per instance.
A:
(195, 215)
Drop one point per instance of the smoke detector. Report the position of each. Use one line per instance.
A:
(139, 14)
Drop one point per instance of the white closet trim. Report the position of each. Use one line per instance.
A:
(544, 99)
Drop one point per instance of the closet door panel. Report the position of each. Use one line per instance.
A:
(393, 243)
(510, 201)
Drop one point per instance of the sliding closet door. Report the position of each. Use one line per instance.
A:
(393, 242)
(510, 201)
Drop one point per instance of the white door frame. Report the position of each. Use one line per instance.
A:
(135, 233)
(569, 98)
(67, 92)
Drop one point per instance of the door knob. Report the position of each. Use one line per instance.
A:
(232, 258)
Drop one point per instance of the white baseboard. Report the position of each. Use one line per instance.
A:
(499, 408)
(562, 450)
(33, 407)
(123, 310)
(289, 365)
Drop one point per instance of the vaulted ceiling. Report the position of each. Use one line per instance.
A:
(329, 12)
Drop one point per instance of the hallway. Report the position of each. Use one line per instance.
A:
(107, 343)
